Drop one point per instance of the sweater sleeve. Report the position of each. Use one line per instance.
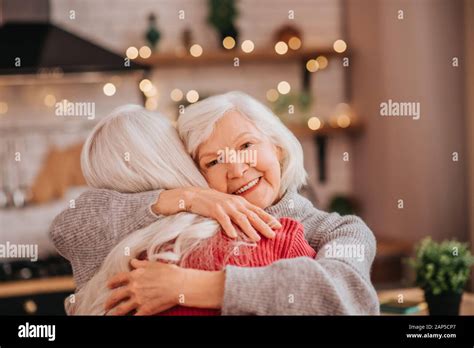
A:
(333, 283)
(86, 232)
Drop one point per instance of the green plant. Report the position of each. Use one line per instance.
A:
(442, 267)
(222, 14)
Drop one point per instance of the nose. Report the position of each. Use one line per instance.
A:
(236, 170)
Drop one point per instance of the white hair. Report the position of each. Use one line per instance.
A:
(134, 150)
(197, 123)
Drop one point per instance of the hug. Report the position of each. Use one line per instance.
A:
(169, 227)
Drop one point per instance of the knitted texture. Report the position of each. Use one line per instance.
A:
(330, 284)
(289, 242)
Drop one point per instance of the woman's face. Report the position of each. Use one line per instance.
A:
(238, 159)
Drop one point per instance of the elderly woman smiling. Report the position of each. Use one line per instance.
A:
(302, 285)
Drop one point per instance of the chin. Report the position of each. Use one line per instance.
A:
(259, 201)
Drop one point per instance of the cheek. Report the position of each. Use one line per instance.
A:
(267, 162)
(216, 180)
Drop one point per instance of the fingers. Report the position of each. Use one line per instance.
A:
(116, 297)
(242, 221)
(118, 280)
(271, 221)
(124, 308)
(259, 224)
(226, 224)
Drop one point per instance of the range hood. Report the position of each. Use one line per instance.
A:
(43, 46)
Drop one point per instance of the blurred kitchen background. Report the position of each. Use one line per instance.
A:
(323, 66)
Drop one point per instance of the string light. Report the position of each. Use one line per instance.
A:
(343, 121)
(322, 62)
(248, 46)
(228, 42)
(281, 47)
(145, 85)
(145, 52)
(284, 87)
(49, 100)
(294, 43)
(109, 89)
(339, 46)
(176, 95)
(272, 95)
(132, 52)
(312, 65)
(152, 92)
(314, 123)
(151, 104)
(192, 96)
(196, 50)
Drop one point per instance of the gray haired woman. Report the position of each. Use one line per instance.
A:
(240, 194)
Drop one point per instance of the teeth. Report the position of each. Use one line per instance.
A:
(246, 187)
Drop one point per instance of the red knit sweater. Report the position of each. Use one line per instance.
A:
(289, 242)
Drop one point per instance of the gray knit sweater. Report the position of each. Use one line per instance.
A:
(337, 281)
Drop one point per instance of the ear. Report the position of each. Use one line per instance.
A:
(279, 152)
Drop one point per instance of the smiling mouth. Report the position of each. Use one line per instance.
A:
(247, 186)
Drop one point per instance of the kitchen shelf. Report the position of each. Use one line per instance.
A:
(304, 132)
(214, 57)
(37, 286)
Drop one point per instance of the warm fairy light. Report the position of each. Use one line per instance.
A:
(312, 65)
(176, 95)
(322, 62)
(145, 52)
(272, 95)
(151, 104)
(192, 96)
(343, 121)
(247, 46)
(49, 100)
(196, 50)
(294, 43)
(145, 85)
(152, 92)
(284, 87)
(3, 108)
(281, 47)
(314, 123)
(109, 89)
(132, 52)
(228, 42)
(339, 46)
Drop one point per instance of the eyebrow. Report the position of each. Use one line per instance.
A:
(214, 153)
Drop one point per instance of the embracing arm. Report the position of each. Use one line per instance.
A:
(306, 286)
(100, 218)
(85, 233)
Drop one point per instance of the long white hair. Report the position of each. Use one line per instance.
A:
(197, 122)
(133, 150)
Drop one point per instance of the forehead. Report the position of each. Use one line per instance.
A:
(226, 130)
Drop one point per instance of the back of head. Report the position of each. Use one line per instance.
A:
(134, 150)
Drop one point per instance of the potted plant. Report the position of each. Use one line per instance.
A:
(442, 270)
(222, 15)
